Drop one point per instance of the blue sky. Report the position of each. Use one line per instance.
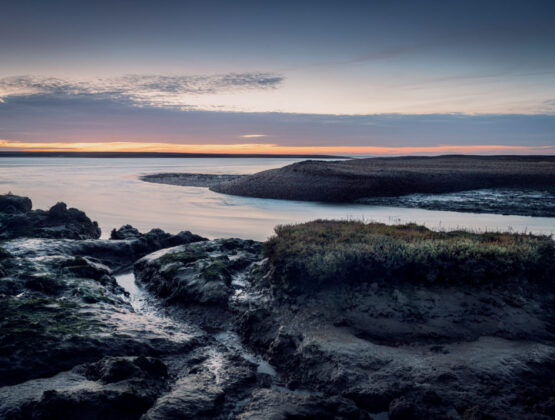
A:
(307, 73)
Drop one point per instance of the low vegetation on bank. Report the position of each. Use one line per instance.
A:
(325, 252)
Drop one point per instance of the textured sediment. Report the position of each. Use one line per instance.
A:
(231, 328)
(189, 180)
(346, 181)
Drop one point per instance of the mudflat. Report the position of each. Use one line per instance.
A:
(345, 181)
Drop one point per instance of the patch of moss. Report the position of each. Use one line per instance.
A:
(215, 270)
(94, 296)
(80, 267)
(41, 316)
(169, 270)
(183, 257)
(320, 252)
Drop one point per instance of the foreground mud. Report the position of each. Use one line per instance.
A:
(203, 329)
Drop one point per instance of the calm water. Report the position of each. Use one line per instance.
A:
(109, 191)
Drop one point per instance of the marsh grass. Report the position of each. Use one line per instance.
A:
(319, 252)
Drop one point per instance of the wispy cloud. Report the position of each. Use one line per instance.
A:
(252, 136)
(165, 91)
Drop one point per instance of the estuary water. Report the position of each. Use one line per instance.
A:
(109, 191)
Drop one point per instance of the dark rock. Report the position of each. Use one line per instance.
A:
(106, 404)
(115, 369)
(274, 404)
(207, 390)
(18, 220)
(197, 272)
(401, 409)
(11, 204)
(125, 232)
(229, 343)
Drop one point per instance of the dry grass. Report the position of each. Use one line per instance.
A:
(322, 252)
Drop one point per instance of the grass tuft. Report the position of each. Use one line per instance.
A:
(324, 252)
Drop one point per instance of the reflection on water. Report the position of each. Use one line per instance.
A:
(111, 193)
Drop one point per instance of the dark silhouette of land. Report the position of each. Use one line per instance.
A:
(157, 155)
(350, 180)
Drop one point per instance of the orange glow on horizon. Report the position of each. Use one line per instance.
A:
(267, 148)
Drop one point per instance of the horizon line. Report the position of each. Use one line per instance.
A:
(265, 149)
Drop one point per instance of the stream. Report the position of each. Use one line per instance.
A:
(146, 305)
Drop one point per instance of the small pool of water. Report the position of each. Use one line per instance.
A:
(145, 304)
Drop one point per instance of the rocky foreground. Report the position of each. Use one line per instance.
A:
(325, 320)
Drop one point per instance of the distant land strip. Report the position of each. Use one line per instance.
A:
(189, 180)
(161, 155)
(350, 180)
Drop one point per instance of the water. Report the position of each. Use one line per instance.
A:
(109, 191)
(145, 305)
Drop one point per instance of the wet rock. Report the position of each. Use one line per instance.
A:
(198, 272)
(210, 388)
(115, 369)
(106, 404)
(113, 388)
(18, 220)
(116, 254)
(73, 346)
(12, 204)
(59, 310)
(276, 404)
(125, 232)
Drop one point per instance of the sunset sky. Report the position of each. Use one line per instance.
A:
(344, 77)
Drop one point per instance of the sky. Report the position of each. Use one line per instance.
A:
(346, 77)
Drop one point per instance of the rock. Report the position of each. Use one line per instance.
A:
(115, 369)
(12, 204)
(105, 404)
(113, 388)
(209, 389)
(125, 232)
(274, 404)
(198, 272)
(18, 220)
(61, 307)
(217, 339)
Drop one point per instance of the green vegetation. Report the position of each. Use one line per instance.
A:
(80, 267)
(321, 252)
(43, 317)
(183, 257)
(216, 270)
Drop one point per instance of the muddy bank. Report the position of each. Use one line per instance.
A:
(535, 202)
(189, 180)
(346, 181)
(311, 324)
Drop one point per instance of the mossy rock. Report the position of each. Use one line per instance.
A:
(216, 270)
(80, 267)
(183, 257)
(47, 284)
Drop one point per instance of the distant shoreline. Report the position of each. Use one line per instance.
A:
(162, 155)
(517, 185)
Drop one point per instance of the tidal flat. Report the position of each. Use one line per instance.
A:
(327, 319)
